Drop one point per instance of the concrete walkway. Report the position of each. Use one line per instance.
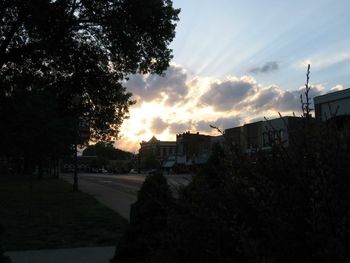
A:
(115, 194)
(69, 255)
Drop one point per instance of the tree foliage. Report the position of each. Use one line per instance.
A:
(84, 49)
(149, 161)
(76, 54)
(107, 151)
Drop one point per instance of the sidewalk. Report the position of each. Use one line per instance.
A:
(69, 255)
(108, 195)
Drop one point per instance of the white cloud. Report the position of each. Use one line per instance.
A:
(221, 123)
(337, 87)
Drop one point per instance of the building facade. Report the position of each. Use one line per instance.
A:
(332, 111)
(332, 105)
(262, 135)
(192, 149)
(161, 150)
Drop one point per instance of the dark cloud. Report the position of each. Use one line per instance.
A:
(176, 128)
(266, 68)
(287, 101)
(225, 95)
(290, 100)
(266, 97)
(222, 123)
(158, 125)
(274, 98)
(172, 84)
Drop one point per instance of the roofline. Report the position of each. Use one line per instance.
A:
(333, 96)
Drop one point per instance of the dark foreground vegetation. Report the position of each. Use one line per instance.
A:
(287, 205)
(50, 215)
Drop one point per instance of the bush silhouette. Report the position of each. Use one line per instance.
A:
(148, 219)
(3, 258)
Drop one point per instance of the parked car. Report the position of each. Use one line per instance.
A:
(103, 170)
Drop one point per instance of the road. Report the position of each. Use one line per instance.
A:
(118, 192)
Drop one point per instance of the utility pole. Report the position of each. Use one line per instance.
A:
(75, 179)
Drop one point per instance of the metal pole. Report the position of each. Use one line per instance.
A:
(75, 183)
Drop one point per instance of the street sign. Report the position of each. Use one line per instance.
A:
(84, 128)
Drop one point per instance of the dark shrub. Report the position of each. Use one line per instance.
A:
(292, 205)
(148, 219)
(3, 258)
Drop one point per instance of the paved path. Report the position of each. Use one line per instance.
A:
(114, 192)
(70, 255)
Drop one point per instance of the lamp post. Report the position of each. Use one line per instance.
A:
(76, 102)
(82, 130)
(75, 177)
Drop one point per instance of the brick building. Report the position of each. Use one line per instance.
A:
(192, 149)
(161, 150)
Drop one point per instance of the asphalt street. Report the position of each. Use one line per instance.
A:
(118, 192)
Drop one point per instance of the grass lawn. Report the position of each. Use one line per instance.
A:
(51, 215)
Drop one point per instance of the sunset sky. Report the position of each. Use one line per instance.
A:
(238, 61)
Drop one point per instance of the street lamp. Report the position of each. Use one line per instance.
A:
(82, 134)
(76, 103)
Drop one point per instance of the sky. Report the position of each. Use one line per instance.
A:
(236, 62)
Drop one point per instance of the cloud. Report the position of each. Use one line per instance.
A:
(221, 123)
(337, 88)
(127, 144)
(158, 125)
(180, 127)
(279, 100)
(172, 86)
(274, 98)
(246, 96)
(223, 96)
(205, 101)
(265, 97)
(266, 68)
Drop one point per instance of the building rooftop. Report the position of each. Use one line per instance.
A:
(333, 96)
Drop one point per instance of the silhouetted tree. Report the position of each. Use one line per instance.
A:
(34, 129)
(149, 161)
(78, 53)
(107, 151)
